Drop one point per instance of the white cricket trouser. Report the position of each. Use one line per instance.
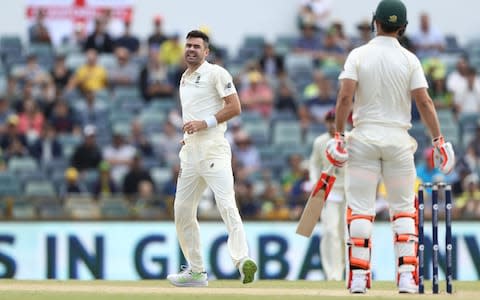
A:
(206, 161)
(332, 245)
(375, 153)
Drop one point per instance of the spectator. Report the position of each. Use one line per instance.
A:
(316, 12)
(5, 113)
(428, 41)
(31, 120)
(75, 40)
(285, 100)
(47, 147)
(38, 31)
(13, 143)
(99, 39)
(87, 155)
(341, 37)
(258, 96)
(119, 155)
(62, 118)
(91, 111)
(216, 54)
(467, 100)
(139, 140)
(467, 205)
(171, 51)
(124, 73)
(71, 185)
(89, 77)
(169, 143)
(60, 74)
(270, 62)
(136, 176)
(293, 173)
(300, 190)
(309, 42)
(105, 185)
(457, 79)
(154, 79)
(127, 40)
(472, 153)
(246, 153)
(314, 109)
(32, 72)
(156, 39)
(332, 54)
(364, 30)
(170, 187)
(248, 206)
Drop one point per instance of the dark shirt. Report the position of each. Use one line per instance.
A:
(102, 43)
(86, 157)
(129, 42)
(133, 178)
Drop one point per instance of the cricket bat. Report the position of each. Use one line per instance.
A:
(313, 208)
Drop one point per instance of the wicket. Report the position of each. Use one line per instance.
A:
(436, 188)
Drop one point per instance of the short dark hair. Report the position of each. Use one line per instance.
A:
(199, 34)
(387, 28)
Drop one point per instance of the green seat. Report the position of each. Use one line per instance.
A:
(22, 164)
(114, 208)
(39, 188)
(287, 132)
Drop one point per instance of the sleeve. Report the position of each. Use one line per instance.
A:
(350, 67)
(224, 83)
(417, 80)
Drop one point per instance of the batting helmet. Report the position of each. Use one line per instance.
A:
(391, 12)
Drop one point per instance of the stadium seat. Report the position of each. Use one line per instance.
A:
(160, 176)
(114, 207)
(23, 164)
(287, 132)
(75, 60)
(161, 104)
(39, 188)
(259, 131)
(9, 184)
(24, 211)
(81, 207)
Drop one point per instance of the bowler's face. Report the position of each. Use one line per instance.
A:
(195, 51)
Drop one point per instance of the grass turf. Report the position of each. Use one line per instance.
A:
(218, 289)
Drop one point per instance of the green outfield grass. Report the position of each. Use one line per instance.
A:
(218, 289)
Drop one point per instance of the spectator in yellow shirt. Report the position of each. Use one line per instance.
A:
(90, 77)
(171, 51)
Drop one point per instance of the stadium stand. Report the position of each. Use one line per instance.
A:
(31, 189)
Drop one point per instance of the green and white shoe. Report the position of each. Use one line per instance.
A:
(187, 278)
(247, 269)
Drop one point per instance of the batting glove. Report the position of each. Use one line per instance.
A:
(443, 155)
(336, 153)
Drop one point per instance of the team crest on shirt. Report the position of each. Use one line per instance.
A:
(197, 81)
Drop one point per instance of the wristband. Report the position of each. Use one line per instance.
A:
(211, 121)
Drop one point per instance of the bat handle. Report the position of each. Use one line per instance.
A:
(330, 169)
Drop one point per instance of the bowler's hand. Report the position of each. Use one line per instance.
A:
(443, 155)
(336, 152)
(193, 126)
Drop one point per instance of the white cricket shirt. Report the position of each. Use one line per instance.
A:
(386, 73)
(202, 93)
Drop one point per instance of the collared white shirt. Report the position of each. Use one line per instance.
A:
(202, 93)
(386, 73)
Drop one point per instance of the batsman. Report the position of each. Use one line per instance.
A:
(384, 78)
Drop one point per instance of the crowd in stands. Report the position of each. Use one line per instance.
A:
(91, 128)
